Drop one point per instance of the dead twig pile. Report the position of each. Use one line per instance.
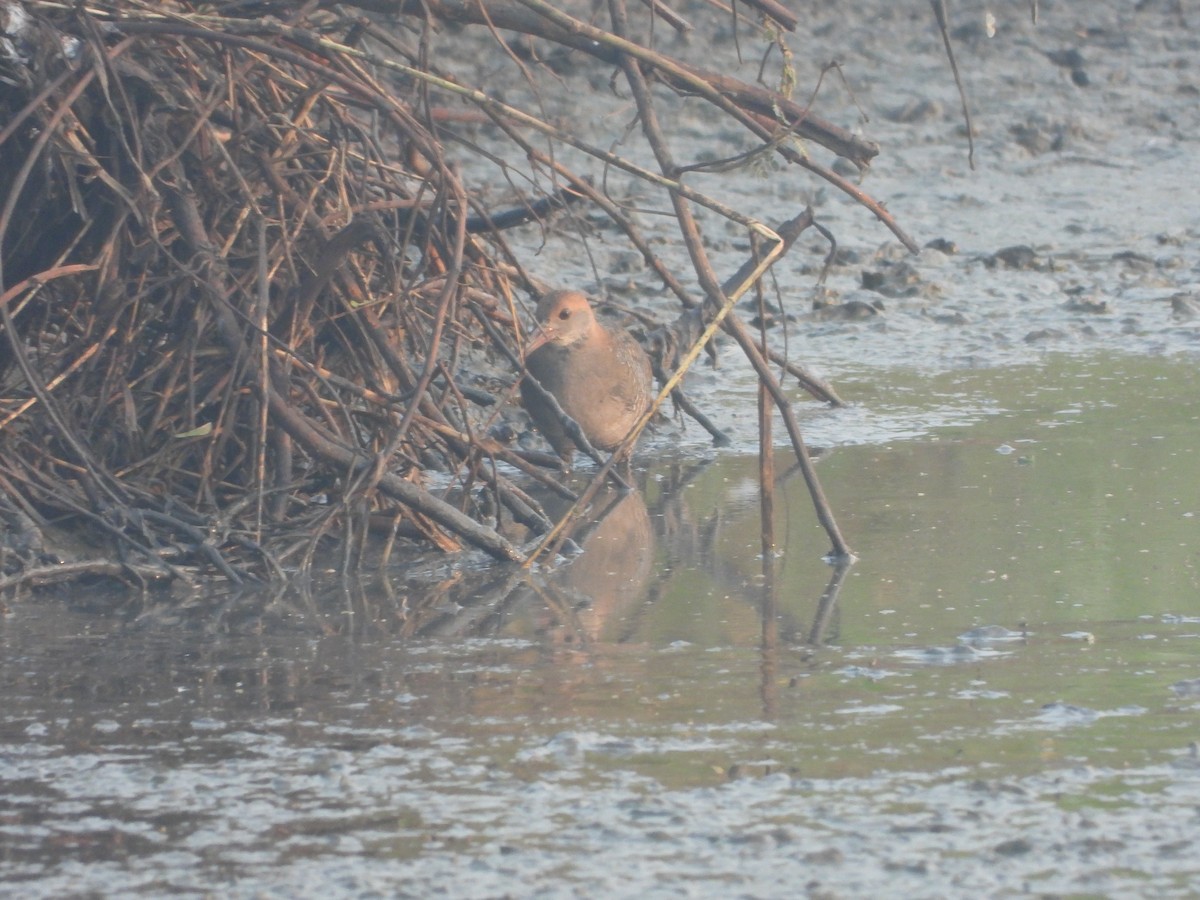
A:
(241, 280)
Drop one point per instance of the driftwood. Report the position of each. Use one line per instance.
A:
(244, 295)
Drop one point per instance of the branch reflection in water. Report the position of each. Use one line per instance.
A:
(638, 549)
(673, 561)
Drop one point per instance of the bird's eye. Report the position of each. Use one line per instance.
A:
(564, 314)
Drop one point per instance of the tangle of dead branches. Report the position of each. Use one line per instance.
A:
(245, 294)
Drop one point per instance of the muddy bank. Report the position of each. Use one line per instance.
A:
(1070, 235)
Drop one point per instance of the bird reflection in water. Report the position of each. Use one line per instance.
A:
(586, 599)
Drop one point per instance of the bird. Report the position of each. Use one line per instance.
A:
(599, 375)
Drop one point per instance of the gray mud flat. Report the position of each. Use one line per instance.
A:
(1002, 698)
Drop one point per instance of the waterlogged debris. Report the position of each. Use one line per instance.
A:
(1138, 262)
(1187, 688)
(564, 748)
(1066, 714)
(757, 769)
(1058, 714)
(997, 788)
(898, 279)
(947, 656)
(1045, 334)
(1019, 257)
(1172, 619)
(991, 634)
(942, 245)
(872, 674)
(1072, 60)
(1191, 758)
(1086, 305)
(569, 747)
(850, 311)
(1185, 306)
(573, 749)
(950, 318)
(942, 656)
(1015, 847)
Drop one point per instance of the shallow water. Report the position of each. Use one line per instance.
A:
(998, 697)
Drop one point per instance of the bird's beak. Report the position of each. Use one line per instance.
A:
(539, 337)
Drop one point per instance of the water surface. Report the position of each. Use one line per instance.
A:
(999, 696)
